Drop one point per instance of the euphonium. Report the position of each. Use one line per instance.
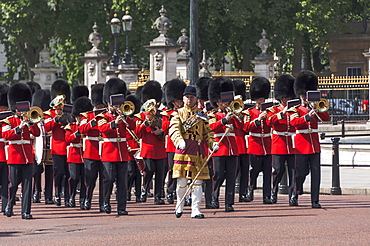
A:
(35, 115)
(58, 102)
(322, 105)
(128, 108)
(237, 106)
(149, 106)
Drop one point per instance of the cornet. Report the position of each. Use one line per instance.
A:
(35, 115)
(322, 105)
(127, 109)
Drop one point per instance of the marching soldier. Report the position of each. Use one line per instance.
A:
(4, 181)
(281, 146)
(17, 130)
(189, 130)
(306, 142)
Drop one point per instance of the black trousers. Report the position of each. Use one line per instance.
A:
(305, 164)
(48, 174)
(4, 182)
(261, 163)
(115, 171)
(243, 161)
(156, 166)
(171, 182)
(61, 176)
(208, 184)
(37, 171)
(134, 178)
(224, 168)
(77, 175)
(93, 169)
(21, 173)
(279, 170)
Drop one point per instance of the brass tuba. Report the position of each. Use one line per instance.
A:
(322, 105)
(128, 108)
(58, 102)
(149, 106)
(35, 115)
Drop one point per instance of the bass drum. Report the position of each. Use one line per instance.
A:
(42, 148)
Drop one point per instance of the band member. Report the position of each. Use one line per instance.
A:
(91, 155)
(152, 141)
(112, 125)
(225, 159)
(189, 129)
(17, 130)
(4, 181)
(259, 139)
(75, 151)
(281, 146)
(240, 137)
(173, 94)
(306, 142)
(55, 121)
(42, 99)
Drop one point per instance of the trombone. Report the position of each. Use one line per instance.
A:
(35, 115)
(127, 109)
(236, 107)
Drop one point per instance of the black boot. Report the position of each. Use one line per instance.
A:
(170, 199)
(9, 210)
(158, 201)
(36, 197)
(293, 201)
(273, 195)
(87, 205)
(244, 198)
(250, 193)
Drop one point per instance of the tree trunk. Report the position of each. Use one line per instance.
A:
(297, 56)
(237, 64)
(246, 66)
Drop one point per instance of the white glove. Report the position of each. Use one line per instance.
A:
(181, 144)
(215, 146)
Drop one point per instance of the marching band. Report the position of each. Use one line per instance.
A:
(200, 135)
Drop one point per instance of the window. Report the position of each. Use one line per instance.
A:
(353, 71)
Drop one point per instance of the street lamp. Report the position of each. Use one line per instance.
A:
(115, 25)
(127, 27)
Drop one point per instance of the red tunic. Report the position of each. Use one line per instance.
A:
(306, 140)
(282, 131)
(240, 137)
(259, 139)
(151, 146)
(74, 144)
(114, 146)
(2, 147)
(166, 118)
(58, 142)
(89, 128)
(20, 148)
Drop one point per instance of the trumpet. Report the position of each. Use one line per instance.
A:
(236, 107)
(126, 109)
(322, 105)
(35, 115)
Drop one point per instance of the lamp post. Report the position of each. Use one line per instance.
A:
(127, 27)
(115, 25)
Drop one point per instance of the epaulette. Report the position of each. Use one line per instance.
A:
(85, 114)
(101, 115)
(48, 112)
(138, 116)
(271, 109)
(6, 121)
(293, 109)
(68, 127)
(164, 113)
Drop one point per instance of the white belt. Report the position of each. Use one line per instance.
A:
(76, 145)
(262, 135)
(222, 133)
(307, 131)
(20, 142)
(94, 138)
(2, 140)
(283, 133)
(114, 140)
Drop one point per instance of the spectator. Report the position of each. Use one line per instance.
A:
(365, 106)
(356, 104)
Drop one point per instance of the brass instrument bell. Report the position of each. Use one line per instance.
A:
(35, 115)
(128, 108)
(322, 105)
(58, 101)
(237, 106)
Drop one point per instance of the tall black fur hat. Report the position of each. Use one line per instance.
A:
(34, 86)
(97, 94)
(151, 90)
(138, 92)
(136, 101)
(163, 101)
(216, 86)
(305, 81)
(240, 88)
(112, 87)
(81, 105)
(4, 88)
(61, 87)
(260, 87)
(79, 91)
(283, 87)
(174, 91)
(17, 93)
(42, 99)
(202, 88)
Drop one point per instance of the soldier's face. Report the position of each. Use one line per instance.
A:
(190, 100)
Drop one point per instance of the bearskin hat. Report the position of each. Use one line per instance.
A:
(136, 101)
(97, 94)
(260, 87)
(112, 87)
(81, 105)
(151, 90)
(283, 87)
(305, 81)
(240, 89)
(138, 92)
(17, 93)
(79, 91)
(163, 101)
(34, 86)
(42, 99)
(202, 88)
(174, 91)
(216, 86)
(4, 88)
(61, 87)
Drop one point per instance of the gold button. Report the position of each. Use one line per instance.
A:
(118, 139)
(262, 135)
(310, 130)
(100, 139)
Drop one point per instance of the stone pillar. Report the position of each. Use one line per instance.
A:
(95, 61)
(163, 56)
(264, 63)
(45, 71)
(367, 56)
(128, 73)
(182, 69)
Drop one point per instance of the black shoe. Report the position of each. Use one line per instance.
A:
(150, 194)
(8, 211)
(158, 201)
(107, 208)
(17, 199)
(57, 201)
(229, 208)
(138, 199)
(250, 194)
(293, 201)
(49, 201)
(128, 198)
(87, 205)
(198, 216)
(170, 199)
(36, 197)
(274, 199)
(215, 204)
(178, 215)
(316, 205)
(122, 212)
(102, 210)
(143, 198)
(71, 203)
(267, 200)
(244, 198)
(27, 217)
(209, 206)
